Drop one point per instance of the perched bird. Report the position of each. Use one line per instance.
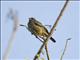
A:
(37, 28)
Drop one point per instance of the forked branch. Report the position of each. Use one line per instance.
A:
(52, 30)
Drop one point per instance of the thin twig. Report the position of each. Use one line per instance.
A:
(47, 53)
(52, 30)
(64, 49)
(10, 42)
(46, 48)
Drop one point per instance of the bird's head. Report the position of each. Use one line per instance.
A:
(31, 19)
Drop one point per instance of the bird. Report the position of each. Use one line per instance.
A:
(38, 29)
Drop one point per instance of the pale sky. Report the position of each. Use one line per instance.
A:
(26, 45)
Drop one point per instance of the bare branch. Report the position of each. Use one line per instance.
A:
(47, 53)
(10, 42)
(64, 49)
(46, 48)
(52, 30)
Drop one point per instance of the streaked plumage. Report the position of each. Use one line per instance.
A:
(37, 28)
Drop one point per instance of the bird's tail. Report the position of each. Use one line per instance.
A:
(52, 39)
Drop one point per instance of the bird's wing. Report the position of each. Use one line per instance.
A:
(37, 23)
(40, 24)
